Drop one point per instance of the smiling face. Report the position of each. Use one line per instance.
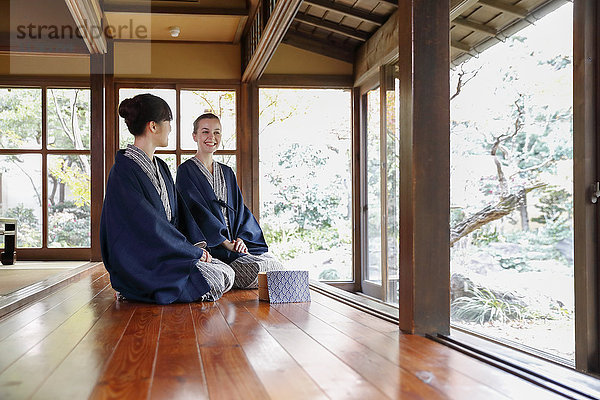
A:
(208, 135)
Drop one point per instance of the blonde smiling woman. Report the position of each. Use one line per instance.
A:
(213, 196)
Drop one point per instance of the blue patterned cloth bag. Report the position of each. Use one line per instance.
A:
(288, 286)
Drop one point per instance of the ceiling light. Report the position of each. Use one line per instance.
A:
(174, 30)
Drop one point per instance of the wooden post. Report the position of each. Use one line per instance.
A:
(110, 119)
(248, 146)
(586, 86)
(424, 119)
(97, 150)
(357, 225)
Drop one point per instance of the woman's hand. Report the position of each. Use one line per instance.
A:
(206, 257)
(240, 246)
(236, 245)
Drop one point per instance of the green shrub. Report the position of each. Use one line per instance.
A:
(484, 306)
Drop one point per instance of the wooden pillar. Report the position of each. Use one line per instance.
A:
(97, 149)
(425, 166)
(586, 108)
(248, 166)
(110, 98)
(357, 225)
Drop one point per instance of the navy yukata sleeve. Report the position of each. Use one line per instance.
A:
(147, 257)
(243, 225)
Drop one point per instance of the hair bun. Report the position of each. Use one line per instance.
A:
(130, 109)
(143, 108)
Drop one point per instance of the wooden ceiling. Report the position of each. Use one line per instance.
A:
(336, 28)
(199, 21)
(476, 25)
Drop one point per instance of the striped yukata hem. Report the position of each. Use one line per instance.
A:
(219, 276)
(248, 266)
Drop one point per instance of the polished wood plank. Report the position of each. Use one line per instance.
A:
(22, 377)
(130, 367)
(279, 373)
(77, 375)
(178, 372)
(87, 345)
(332, 375)
(390, 378)
(25, 338)
(229, 375)
(211, 327)
(375, 323)
(10, 323)
(453, 373)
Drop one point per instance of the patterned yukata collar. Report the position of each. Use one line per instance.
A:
(150, 168)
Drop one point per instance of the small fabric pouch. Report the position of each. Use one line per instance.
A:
(284, 286)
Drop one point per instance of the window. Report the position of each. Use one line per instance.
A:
(193, 103)
(45, 160)
(381, 181)
(512, 190)
(306, 179)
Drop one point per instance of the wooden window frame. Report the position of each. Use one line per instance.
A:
(380, 80)
(372, 83)
(44, 83)
(586, 149)
(586, 171)
(178, 86)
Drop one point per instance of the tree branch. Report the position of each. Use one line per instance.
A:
(461, 83)
(60, 118)
(37, 194)
(489, 213)
(535, 167)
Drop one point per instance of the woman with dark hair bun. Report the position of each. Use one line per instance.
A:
(146, 231)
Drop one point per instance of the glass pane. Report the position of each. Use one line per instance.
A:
(168, 95)
(68, 118)
(227, 159)
(171, 162)
(68, 201)
(512, 189)
(373, 177)
(20, 118)
(393, 182)
(306, 180)
(21, 196)
(197, 102)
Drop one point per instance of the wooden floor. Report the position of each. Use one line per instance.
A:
(79, 343)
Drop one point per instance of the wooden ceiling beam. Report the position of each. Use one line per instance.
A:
(333, 27)
(390, 2)
(178, 9)
(461, 46)
(515, 11)
(88, 15)
(278, 24)
(348, 11)
(458, 7)
(486, 30)
(320, 47)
